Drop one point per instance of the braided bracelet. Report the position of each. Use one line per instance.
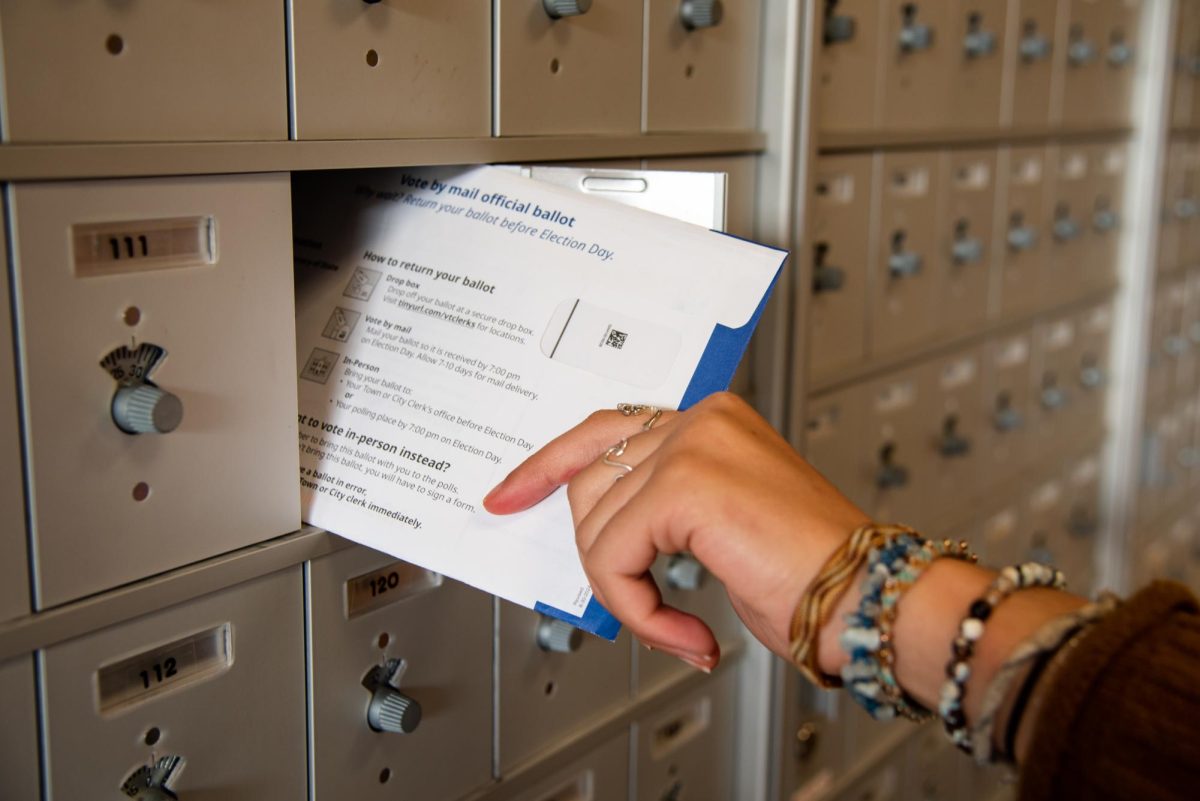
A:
(1045, 641)
(819, 599)
(893, 566)
(958, 669)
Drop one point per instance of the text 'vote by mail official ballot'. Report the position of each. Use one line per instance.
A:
(450, 321)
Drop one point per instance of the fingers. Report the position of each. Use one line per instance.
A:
(562, 458)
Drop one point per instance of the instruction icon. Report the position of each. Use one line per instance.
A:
(362, 283)
(319, 366)
(341, 324)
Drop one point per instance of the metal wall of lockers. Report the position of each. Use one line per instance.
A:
(959, 182)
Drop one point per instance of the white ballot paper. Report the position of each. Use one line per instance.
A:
(450, 321)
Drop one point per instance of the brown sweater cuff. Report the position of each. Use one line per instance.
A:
(1120, 717)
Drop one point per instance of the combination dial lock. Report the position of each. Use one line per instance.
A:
(138, 405)
(153, 782)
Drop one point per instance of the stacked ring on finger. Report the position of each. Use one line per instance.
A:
(634, 409)
(618, 450)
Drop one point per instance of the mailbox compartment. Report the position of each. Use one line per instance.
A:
(385, 636)
(1054, 385)
(685, 750)
(847, 84)
(1082, 523)
(969, 197)
(702, 67)
(836, 442)
(19, 735)
(897, 447)
(578, 74)
(1084, 61)
(601, 775)
(954, 429)
(1034, 61)
(392, 70)
(1009, 405)
(210, 692)
(1105, 215)
(839, 255)
(977, 34)
(553, 681)
(1026, 231)
(920, 55)
(144, 72)
(1068, 225)
(1092, 370)
(188, 280)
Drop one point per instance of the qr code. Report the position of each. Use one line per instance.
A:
(616, 339)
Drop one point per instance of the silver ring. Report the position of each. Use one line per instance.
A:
(649, 424)
(634, 409)
(618, 450)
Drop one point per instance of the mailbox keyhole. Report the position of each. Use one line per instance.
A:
(141, 491)
(555, 66)
(114, 44)
(372, 58)
(152, 736)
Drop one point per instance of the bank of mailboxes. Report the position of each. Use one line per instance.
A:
(202, 699)
(905, 247)
(161, 420)
(19, 735)
(14, 570)
(930, 65)
(401, 664)
(601, 775)
(683, 750)
(368, 70)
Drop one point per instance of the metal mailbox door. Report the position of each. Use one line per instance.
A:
(1024, 230)
(839, 253)
(701, 66)
(14, 558)
(1009, 404)
(144, 72)
(1067, 223)
(847, 83)
(1105, 215)
(1001, 536)
(1045, 516)
(687, 750)
(920, 55)
(1078, 560)
(835, 442)
(1120, 56)
(898, 449)
(601, 775)
(1083, 60)
(1034, 63)
(1093, 372)
(179, 293)
(205, 699)
(908, 268)
(954, 429)
(977, 34)
(392, 70)
(19, 734)
(969, 198)
(387, 637)
(1054, 386)
(554, 682)
(1177, 208)
(577, 73)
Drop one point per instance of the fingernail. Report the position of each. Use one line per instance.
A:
(701, 663)
(649, 647)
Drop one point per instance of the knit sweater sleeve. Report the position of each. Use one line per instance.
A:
(1120, 718)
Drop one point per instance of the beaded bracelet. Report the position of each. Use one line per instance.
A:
(958, 669)
(893, 566)
(821, 596)
(1045, 641)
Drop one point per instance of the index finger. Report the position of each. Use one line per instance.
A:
(563, 457)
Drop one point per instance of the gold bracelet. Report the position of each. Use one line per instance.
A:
(820, 598)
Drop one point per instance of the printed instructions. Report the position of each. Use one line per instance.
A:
(450, 321)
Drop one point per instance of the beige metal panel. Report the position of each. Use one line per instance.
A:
(839, 232)
(835, 442)
(884, 783)
(1083, 59)
(1120, 54)
(1159, 364)
(226, 477)
(701, 78)
(1035, 61)
(391, 69)
(1177, 208)
(812, 738)
(1170, 321)
(908, 268)
(1054, 385)
(1082, 523)
(1000, 541)
(98, 71)
(897, 445)
(685, 750)
(1067, 221)
(1105, 216)
(968, 197)
(920, 55)
(977, 36)
(1025, 230)
(14, 558)
(1093, 374)
(19, 734)
(1188, 375)
(235, 715)
(365, 611)
(544, 695)
(685, 585)
(1045, 512)
(954, 428)
(1008, 442)
(573, 75)
(1189, 234)
(932, 766)
(846, 82)
(600, 775)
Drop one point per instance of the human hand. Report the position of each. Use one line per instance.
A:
(716, 481)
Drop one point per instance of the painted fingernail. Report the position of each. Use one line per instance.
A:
(701, 663)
